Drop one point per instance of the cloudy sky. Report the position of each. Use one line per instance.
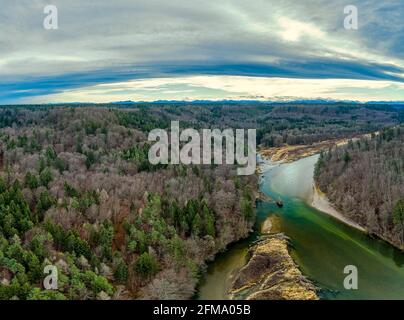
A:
(149, 50)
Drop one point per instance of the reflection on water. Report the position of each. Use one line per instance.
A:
(220, 272)
(321, 245)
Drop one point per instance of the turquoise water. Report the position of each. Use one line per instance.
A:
(320, 245)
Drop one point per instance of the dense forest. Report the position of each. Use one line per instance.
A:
(307, 124)
(365, 180)
(77, 191)
(281, 124)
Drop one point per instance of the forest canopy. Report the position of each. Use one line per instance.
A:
(77, 191)
(365, 180)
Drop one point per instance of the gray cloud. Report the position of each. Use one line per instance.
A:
(124, 37)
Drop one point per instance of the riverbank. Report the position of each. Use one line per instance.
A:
(291, 153)
(318, 199)
(320, 202)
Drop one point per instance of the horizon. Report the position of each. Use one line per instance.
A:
(320, 102)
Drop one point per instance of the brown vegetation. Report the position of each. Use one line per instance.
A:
(365, 181)
(271, 274)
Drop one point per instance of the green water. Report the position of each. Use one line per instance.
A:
(320, 245)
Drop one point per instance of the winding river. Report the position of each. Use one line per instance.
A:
(321, 245)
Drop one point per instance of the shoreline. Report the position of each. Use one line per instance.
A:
(320, 202)
(292, 153)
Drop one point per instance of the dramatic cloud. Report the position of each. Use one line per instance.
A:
(236, 43)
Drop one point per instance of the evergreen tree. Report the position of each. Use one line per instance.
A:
(146, 265)
(196, 225)
(121, 272)
(398, 213)
(209, 222)
(44, 203)
(45, 177)
(31, 181)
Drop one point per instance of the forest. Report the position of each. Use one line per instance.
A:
(365, 181)
(77, 191)
(281, 124)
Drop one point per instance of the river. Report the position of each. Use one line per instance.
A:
(321, 245)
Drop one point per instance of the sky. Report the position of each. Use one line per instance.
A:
(106, 51)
